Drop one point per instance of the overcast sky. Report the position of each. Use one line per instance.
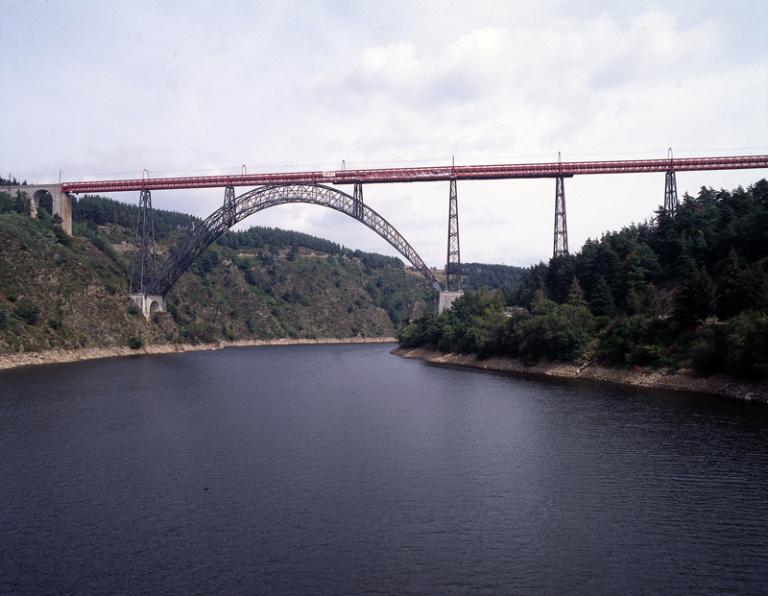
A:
(105, 89)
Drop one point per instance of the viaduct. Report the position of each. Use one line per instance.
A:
(152, 281)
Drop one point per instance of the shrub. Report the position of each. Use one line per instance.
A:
(171, 308)
(100, 242)
(624, 342)
(250, 278)
(708, 349)
(27, 312)
(747, 344)
(61, 236)
(647, 354)
(421, 332)
(135, 343)
(560, 334)
(199, 333)
(133, 309)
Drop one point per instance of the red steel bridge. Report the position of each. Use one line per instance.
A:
(314, 188)
(428, 174)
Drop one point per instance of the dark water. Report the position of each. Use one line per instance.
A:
(344, 470)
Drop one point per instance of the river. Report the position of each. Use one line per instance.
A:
(347, 470)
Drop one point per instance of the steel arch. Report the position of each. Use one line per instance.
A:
(262, 198)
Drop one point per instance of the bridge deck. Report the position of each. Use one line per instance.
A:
(483, 172)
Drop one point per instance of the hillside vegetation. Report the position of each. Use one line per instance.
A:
(506, 278)
(60, 291)
(688, 289)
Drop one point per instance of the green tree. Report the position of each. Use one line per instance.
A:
(6, 203)
(708, 349)
(575, 293)
(644, 300)
(531, 283)
(21, 203)
(558, 332)
(559, 277)
(739, 287)
(601, 298)
(747, 344)
(641, 266)
(608, 266)
(629, 341)
(710, 257)
(696, 299)
(666, 242)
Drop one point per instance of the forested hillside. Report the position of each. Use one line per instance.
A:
(61, 291)
(505, 278)
(687, 289)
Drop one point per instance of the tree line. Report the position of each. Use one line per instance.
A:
(93, 211)
(483, 275)
(688, 288)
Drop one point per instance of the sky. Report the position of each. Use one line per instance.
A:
(103, 90)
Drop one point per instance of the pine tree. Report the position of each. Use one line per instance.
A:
(736, 291)
(575, 293)
(696, 298)
(559, 276)
(601, 299)
(644, 300)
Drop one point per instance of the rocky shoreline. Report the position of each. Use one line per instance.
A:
(637, 377)
(19, 359)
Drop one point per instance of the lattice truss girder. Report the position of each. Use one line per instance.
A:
(145, 263)
(358, 204)
(229, 206)
(265, 197)
(453, 257)
(670, 192)
(561, 224)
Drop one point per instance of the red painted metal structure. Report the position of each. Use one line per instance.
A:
(428, 174)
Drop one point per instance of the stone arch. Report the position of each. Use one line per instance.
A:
(270, 196)
(41, 198)
(155, 306)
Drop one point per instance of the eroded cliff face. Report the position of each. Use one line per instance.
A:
(65, 293)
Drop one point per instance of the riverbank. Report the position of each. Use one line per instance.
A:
(638, 377)
(17, 360)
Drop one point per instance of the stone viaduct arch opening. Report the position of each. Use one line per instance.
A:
(249, 203)
(42, 200)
